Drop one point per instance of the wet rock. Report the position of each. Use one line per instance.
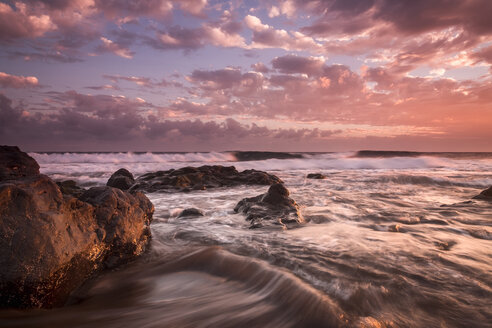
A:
(485, 195)
(318, 176)
(201, 178)
(445, 245)
(263, 155)
(274, 208)
(69, 187)
(394, 228)
(16, 164)
(50, 242)
(191, 212)
(121, 179)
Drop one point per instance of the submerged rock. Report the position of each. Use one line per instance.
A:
(316, 176)
(121, 179)
(201, 178)
(51, 242)
(191, 212)
(485, 195)
(274, 208)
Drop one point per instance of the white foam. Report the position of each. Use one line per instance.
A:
(119, 158)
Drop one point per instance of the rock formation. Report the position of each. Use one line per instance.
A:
(274, 208)
(316, 176)
(190, 213)
(121, 179)
(69, 187)
(200, 178)
(485, 195)
(50, 242)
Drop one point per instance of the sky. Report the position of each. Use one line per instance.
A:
(204, 75)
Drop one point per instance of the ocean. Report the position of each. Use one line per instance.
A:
(394, 239)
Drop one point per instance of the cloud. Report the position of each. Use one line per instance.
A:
(18, 23)
(17, 82)
(140, 81)
(297, 64)
(260, 67)
(110, 46)
(45, 56)
(102, 120)
(266, 36)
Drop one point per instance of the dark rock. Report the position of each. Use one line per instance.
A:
(274, 208)
(316, 176)
(121, 179)
(201, 178)
(485, 195)
(263, 155)
(69, 187)
(16, 164)
(190, 212)
(445, 245)
(51, 243)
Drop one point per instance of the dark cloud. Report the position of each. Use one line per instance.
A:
(45, 56)
(297, 64)
(85, 120)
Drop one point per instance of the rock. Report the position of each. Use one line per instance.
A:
(69, 187)
(201, 178)
(191, 212)
(50, 242)
(485, 195)
(316, 176)
(274, 208)
(16, 164)
(263, 155)
(121, 179)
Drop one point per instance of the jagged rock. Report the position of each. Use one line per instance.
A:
(272, 208)
(200, 178)
(51, 243)
(69, 187)
(316, 176)
(16, 164)
(121, 179)
(190, 212)
(485, 195)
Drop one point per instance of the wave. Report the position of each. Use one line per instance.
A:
(330, 162)
(392, 153)
(130, 157)
(140, 163)
(207, 288)
(429, 181)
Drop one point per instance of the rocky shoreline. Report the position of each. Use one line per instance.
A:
(53, 238)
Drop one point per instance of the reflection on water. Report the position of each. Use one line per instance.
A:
(385, 247)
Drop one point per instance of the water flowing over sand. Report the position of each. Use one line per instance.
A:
(390, 242)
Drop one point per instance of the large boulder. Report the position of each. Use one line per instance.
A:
(274, 208)
(121, 179)
(485, 195)
(50, 242)
(16, 164)
(200, 178)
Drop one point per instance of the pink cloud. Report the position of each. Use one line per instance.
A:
(17, 82)
(19, 23)
(110, 46)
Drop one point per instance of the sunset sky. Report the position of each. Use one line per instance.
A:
(198, 75)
